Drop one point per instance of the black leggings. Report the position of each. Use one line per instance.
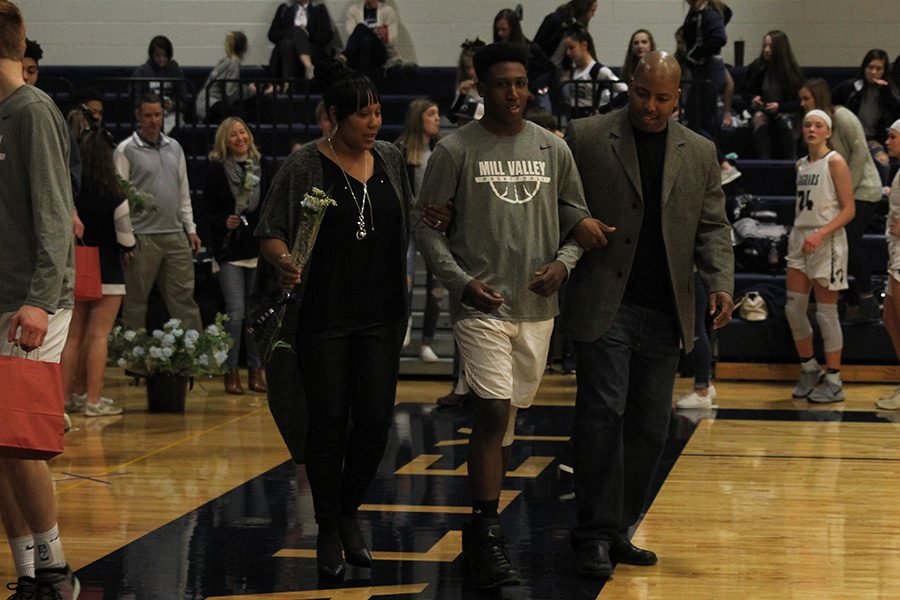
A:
(349, 375)
(857, 263)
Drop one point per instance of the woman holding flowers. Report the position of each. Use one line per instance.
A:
(338, 350)
(232, 207)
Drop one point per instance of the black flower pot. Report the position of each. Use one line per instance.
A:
(166, 393)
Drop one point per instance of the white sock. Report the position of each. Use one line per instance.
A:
(23, 555)
(810, 365)
(833, 378)
(48, 551)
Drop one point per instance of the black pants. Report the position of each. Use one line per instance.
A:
(856, 261)
(350, 376)
(622, 410)
(775, 139)
(365, 51)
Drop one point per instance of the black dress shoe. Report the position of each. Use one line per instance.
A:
(592, 560)
(623, 551)
(329, 560)
(355, 550)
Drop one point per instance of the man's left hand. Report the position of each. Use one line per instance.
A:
(195, 243)
(549, 278)
(721, 304)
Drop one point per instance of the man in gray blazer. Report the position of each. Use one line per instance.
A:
(656, 189)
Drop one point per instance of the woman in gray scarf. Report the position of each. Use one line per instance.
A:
(231, 199)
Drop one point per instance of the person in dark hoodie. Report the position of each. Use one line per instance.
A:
(161, 64)
(704, 37)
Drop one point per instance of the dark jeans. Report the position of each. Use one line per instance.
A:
(856, 260)
(349, 375)
(707, 82)
(622, 411)
(702, 346)
(365, 51)
(775, 139)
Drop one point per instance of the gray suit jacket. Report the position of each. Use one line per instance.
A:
(695, 230)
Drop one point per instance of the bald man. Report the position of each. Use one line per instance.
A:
(655, 189)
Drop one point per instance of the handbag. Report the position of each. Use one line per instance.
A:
(31, 407)
(88, 284)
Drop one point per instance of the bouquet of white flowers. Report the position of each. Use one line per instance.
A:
(171, 350)
(267, 324)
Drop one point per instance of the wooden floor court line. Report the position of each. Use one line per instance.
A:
(789, 456)
(169, 446)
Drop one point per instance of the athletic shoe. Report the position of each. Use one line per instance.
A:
(730, 174)
(104, 408)
(486, 557)
(890, 402)
(695, 400)
(76, 403)
(427, 354)
(827, 392)
(808, 380)
(57, 584)
(23, 589)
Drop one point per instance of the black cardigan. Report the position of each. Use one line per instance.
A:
(218, 204)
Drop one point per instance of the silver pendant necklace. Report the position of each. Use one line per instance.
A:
(360, 206)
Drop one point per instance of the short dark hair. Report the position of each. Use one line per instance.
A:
(163, 43)
(148, 98)
(33, 50)
(345, 89)
(497, 52)
(12, 31)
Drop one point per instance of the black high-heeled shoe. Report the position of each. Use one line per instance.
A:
(330, 561)
(355, 550)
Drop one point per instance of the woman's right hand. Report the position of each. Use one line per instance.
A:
(288, 273)
(232, 222)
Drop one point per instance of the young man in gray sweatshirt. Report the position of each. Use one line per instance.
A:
(516, 198)
(155, 164)
(36, 278)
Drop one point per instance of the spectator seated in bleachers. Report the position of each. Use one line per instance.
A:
(301, 32)
(161, 64)
(771, 85)
(508, 28)
(583, 96)
(372, 27)
(468, 105)
(872, 96)
(640, 43)
(92, 100)
(220, 99)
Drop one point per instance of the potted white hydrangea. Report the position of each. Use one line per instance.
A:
(170, 357)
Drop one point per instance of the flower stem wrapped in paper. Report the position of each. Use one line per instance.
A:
(266, 326)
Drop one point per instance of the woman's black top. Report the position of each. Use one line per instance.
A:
(350, 282)
(96, 210)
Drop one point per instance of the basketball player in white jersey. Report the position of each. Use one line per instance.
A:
(817, 258)
(891, 312)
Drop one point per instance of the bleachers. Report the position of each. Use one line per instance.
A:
(279, 119)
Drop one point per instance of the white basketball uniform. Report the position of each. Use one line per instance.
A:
(893, 266)
(817, 205)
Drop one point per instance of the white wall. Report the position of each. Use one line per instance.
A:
(116, 32)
